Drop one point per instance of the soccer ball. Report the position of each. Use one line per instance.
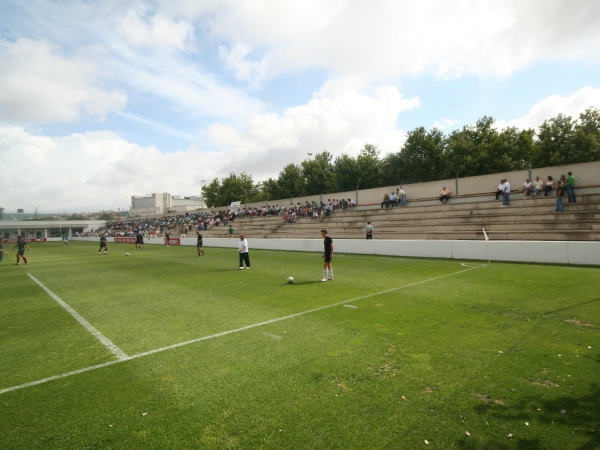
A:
(126, 254)
(290, 280)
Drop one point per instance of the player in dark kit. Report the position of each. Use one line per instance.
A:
(327, 256)
(199, 244)
(103, 244)
(22, 245)
(139, 241)
(2, 251)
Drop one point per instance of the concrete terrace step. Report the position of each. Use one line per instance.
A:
(525, 219)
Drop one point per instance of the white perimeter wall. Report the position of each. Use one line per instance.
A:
(561, 252)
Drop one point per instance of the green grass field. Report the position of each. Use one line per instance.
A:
(167, 350)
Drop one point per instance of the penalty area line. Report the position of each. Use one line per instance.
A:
(236, 330)
(58, 377)
(298, 314)
(121, 356)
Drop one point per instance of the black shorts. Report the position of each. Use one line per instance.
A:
(327, 258)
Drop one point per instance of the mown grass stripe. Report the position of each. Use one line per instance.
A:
(121, 356)
(213, 336)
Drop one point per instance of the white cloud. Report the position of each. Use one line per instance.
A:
(554, 105)
(88, 172)
(361, 43)
(41, 85)
(141, 29)
(339, 125)
(244, 69)
(445, 123)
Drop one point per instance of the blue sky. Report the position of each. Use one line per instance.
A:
(102, 100)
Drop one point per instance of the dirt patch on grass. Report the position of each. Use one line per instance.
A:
(579, 323)
(488, 400)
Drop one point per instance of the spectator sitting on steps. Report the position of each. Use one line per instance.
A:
(445, 194)
(500, 190)
(386, 199)
(549, 186)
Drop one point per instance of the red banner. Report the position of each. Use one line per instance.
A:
(125, 240)
(8, 241)
(174, 241)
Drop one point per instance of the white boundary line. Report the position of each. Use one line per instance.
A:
(121, 356)
(224, 333)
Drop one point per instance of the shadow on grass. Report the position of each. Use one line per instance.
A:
(577, 415)
(571, 307)
(302, 283)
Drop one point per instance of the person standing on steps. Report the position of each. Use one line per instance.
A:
(571, 188)
(506, 194)
(560, 201)
(369, 230)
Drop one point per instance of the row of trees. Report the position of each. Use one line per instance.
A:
(479, 149)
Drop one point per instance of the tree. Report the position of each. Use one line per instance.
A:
(421, 157)
(108, 215)
(513, 149)
(318, 174)
(392, 170)
(555, 142)
(1, 213)
(76, 217)
(234, 188)
(346, 173)
(369, 167)
(291, 181)
(270, 190)
(249, 191)
(211, 194)
(586, 146)
(475, 150)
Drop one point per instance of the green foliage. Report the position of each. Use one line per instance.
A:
(108, 215)
(291, 181)
(422, 157)
(347, 174)
(369, 167)
(271, 190)
(223, 358)
(477, 149)
(555, 141)
(587, 137)
(77, 217)
(1, 213)
(318, 174)
(231, 189)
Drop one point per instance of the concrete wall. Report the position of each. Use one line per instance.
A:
(586, 174)
(562, 252)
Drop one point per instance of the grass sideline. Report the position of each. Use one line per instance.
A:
(393, 353)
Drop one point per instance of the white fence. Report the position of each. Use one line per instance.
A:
(545, 252)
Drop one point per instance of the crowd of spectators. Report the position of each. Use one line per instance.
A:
(315, 211)
(183, 224)
(180, 224)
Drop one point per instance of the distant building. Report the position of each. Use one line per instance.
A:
(163, 203)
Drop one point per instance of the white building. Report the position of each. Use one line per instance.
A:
(163, 203)
(43, 229)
